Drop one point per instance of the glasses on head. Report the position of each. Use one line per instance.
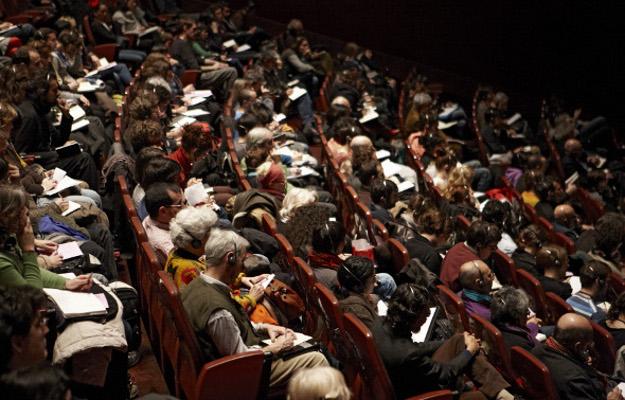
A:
(44, 315)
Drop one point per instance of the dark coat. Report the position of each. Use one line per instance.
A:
(421, 248)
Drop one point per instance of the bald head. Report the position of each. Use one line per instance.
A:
(341, 101)
(572, 146)
(573, 331)
(476, 275)
(563, 211)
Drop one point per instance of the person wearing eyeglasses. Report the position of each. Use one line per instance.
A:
(162, 202)
(476, 280)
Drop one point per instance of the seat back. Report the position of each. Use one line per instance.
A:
(557, 306)
(86, 26)
(504, 268)
(463, 222)
(535, 290)
(190, 77)
(493, 342)
(445, 394)
(454, 308)
(330, 308)
(564, 241)
(399, 254)
(616, 286)
(285, 248)
(606, 349)
(534, 376)
(380, 230)
(593, 210)
(239, 376)
(269, 225)
(373, 381)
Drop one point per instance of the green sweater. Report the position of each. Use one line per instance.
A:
(19, 268)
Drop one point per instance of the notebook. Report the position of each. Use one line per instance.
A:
(76, 304)
(426, 328)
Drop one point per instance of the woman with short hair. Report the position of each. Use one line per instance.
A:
(509, 310)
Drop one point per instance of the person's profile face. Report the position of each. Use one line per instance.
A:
(34, 345)
(486, 251)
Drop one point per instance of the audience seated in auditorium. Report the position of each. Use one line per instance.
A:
(476, 280)
(162, 202)
(593, 277)
(510, 313)
(318, 383)
(552, 263)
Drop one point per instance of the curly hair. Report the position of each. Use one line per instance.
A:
(406, 306)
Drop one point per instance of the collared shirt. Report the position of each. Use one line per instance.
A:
(223, 329)
(582, 304)
(158, 237)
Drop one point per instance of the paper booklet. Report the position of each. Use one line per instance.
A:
(299, 339)
(104, 65)
(382, 154)
(229, 43)
(72, 206)
(513, 119)
(195, 113)
(390, 168)
(76, 304)
(65, 183)
(69, 250)
(243, 47)
(182, 121)
(426, 328)
(369, 116)
(148, 31)
(297, 93)
(196, 194)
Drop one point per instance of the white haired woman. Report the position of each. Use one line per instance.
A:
(294, 199)
(318, 383)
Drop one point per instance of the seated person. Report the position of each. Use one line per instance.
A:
(358, 281)
(510, 313)
(482, 239)
(430, 234)
(438, 364)
(500, 214)
(384, 195)
(476, 280)
(40, 381)
(615, 321)
(162, 201)
(568, 222)
(23, 327)
(529, 243)
(318, 383)
(593, 277)
(328, 241)
(193, 146)
(552, 262)
(222, 326)
(550, 193)
(568, 356)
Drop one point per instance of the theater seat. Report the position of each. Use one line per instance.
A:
(534, 376)
(454, 308)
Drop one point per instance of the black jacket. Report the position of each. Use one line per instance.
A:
(526, 261)
(562, 289)
(421, 248)
(410, 365)
(573, 379)
(36, 134)
(515, 337)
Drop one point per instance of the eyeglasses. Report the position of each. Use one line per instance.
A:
(43, 316)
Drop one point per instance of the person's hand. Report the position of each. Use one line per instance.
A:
(26, 237)
(252, 29)
(257, 292)
(81, 283)
(535, 320)
(14, 173)
(193, 181)
(472, 343)
(45, 246)
(63, 106)
(48, 184)
(85, 101)
(54, 261)
(282, 343)
(251, 281)
(275, 331)
(615, 394)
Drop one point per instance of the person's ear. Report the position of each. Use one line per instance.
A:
(17, 345)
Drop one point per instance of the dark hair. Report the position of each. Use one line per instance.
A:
(568, 337)
(481, 234)
(592, 271)
(39, 382)
(194, 138)
(431, 222)
(530, 236)
(550, 255)
(4, 169)
(142, 107)
(610, 231)
(407, 304)
(247, 122)
(617, 307)
(494, 212)
(262, 112)
(327, 237)
(354, 272)
(143, 158)
(344, 128)
(146, 133)
(18, 311)
(382, 189)
(545, 187)
(157, 196)
(160, 170)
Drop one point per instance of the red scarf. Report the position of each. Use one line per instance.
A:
(324, 260)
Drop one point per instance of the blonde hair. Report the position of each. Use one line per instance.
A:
(318, 383)
(461, 176)
(294, 199)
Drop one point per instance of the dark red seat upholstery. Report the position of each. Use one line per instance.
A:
(534, 376)
(454, 308)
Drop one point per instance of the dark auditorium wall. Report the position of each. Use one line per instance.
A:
(574, 48)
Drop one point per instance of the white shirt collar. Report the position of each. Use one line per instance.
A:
(210, 280)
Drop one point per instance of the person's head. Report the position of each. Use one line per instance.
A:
(496, 213)
(246, 98)
(565, 215)
(461, 176)
(476, 276)
(593, 277)
(328, 238)
(144, 107)
(357, 275)
(260, 137)
(301, 45)
(529, 239)
(341, 101)
(23, 329)
(69, 42)
(501, 101)
(190, 228)
(295, 27)
(143, 158)
(344, 129)
(318, 383)
(269, 59)
(509, 305)
(13, 206)
(445, 159)
(102, 13)
(163, 201)
(294, 199)
(574, 332)
(247, 122)
(7, 116)
(573, 147)
(160, 170)
(195, 142)
(431, 223)
(143, 134)
(483, 237)
(384, 193)
(38, 382)
(225, 252)
(422, 100)
(610, 230)
(617, 308)
(187, 29)
(553, 260)
(408, 309)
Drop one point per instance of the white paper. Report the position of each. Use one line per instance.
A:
(382, 308)
(297, 93)
(405, 185)
(104, 65)
(81, 123)
(200, 93)
(369, 116)
(68, 275)
(301, 171)
(77, 112)
(65, 183)
(195, 113)
(75, 304)
(87, 86)
(72, 206)
(299, 339)
(279, 117)
(148, 31)
(513, 119)
(293, 83)
(575, 283)
(243, 47)
(265, 282)
(382, 154)
(69, 250)
(182, 121)
(419, 337)
(195, 194)
(448, 110)
(572, 179)
(390, 168)
(93, 260)
(193, 101)
(58, 174)
(229, 43)
(444, 125)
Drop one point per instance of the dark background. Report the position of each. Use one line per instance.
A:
(575, 49)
